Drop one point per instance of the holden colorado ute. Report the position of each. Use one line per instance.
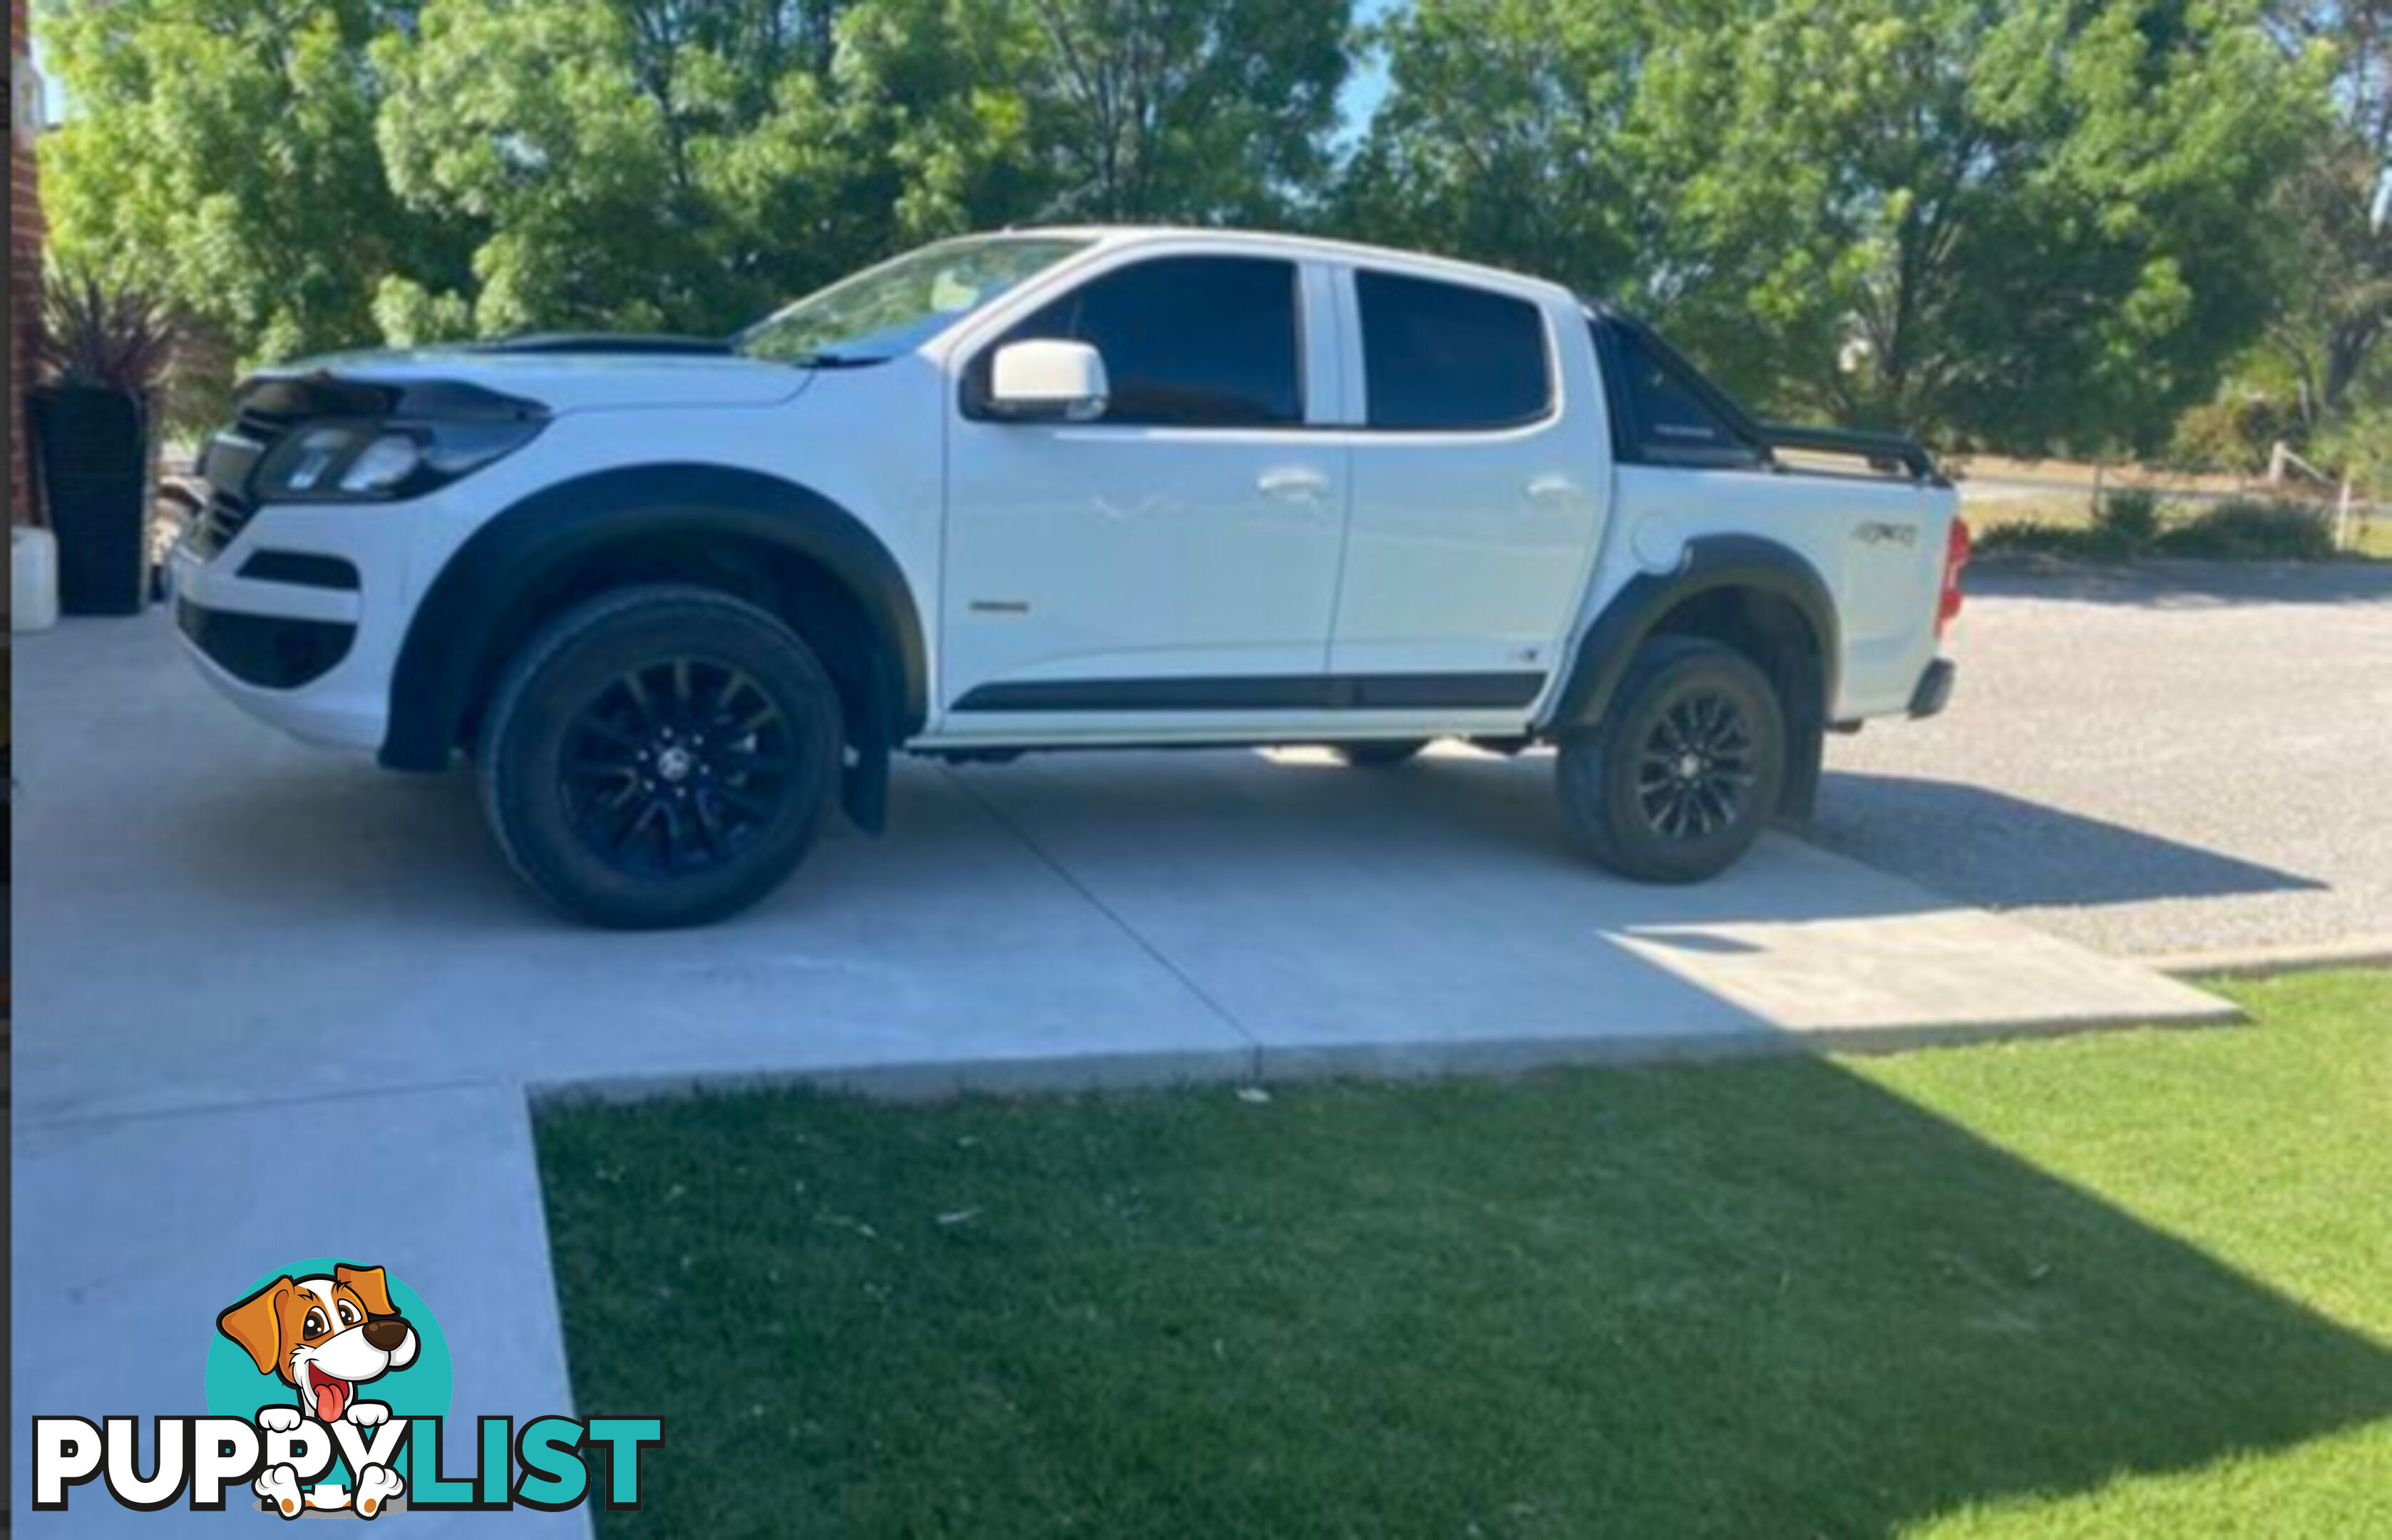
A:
(1064, 488)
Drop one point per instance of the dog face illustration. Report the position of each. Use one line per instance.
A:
(323, 1336)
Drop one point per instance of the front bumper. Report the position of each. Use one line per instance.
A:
(297, 616)
(1934, 691)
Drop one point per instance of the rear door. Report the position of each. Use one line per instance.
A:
(1478, 492)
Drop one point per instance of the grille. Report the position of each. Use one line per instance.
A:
(230, 457)
(220, 521)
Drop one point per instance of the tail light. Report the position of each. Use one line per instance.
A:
(1956, 559)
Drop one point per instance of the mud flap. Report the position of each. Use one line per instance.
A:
(1806, 754)
(863, 788)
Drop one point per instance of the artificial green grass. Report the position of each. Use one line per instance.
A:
(2137, 1283)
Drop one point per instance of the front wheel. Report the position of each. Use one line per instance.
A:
(660, 756)
(1685, 769)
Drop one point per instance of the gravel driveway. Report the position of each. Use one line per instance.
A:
(2174, 759)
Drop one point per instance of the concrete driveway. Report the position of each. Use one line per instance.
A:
(276, 1004)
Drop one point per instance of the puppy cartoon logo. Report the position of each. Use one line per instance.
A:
(324, 1336)
(328, 1390)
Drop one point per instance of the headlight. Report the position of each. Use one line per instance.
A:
(365, 461)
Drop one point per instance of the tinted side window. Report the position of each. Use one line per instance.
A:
(1188, 341)
(1667, 419)
(1440, 356)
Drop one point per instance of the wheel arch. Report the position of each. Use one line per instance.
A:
(774, 542)
(1754, 595)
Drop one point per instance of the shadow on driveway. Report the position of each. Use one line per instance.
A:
(1988, 848)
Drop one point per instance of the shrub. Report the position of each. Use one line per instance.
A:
(2074, 541)
(2130, 518)
(2127, 525)
(2247, 528)
(2361, 448)
(2231, 434)
(2124, 526)
(1994, 539)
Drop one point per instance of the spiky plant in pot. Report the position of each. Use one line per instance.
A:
(105, 351)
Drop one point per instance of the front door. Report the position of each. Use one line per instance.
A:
(1176, 555)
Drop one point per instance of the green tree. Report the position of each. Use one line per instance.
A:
(1001, 111)
(1514, 132)
(651, 163)
(2334, 303)
(314, 174)
(2026, 224)
(223, 152)
(633, 164)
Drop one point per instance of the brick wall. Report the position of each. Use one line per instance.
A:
(24, 269)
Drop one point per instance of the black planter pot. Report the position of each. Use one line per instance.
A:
(95, 452)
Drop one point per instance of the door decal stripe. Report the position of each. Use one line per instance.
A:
(1287, 693)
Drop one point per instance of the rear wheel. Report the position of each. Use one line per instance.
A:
(1378, 753)
(660, 756)
(1685, 769)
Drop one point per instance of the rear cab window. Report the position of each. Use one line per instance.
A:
(1662, 413)
(1440, 357)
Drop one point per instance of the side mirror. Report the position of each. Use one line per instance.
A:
(1063, 380)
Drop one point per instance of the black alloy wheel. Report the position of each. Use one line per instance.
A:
(1685, 768)
(676, 766)
(1695, 770)
(660, 756)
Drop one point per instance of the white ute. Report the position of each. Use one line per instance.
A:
(1060, 489)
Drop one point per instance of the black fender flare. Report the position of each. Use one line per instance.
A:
(479, 590)
(1712, 564)
(1709, 563)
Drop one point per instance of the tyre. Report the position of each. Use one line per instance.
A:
(1685, 770)
(660, 756)
(1378, 753)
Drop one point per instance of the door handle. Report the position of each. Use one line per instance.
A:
(1294, 483)
(1553, 489)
